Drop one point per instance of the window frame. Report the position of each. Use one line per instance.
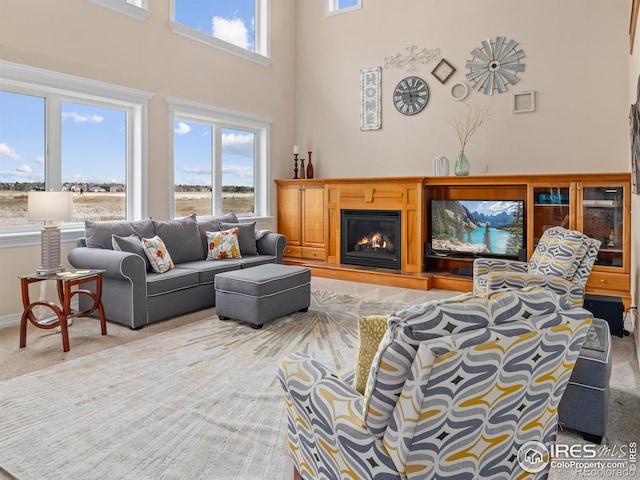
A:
(137, 9)
(262, 51)
(57, 87)
(331, 7)
(220, 118)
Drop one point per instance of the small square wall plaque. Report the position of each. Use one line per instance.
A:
(524, 102)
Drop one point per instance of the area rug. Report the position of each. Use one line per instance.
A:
(202, 401)
(198, 402)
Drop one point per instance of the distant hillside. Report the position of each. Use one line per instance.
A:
(499, 220)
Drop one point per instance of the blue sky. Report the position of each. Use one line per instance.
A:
(93, 138)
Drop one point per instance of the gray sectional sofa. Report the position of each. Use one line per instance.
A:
(134, 295)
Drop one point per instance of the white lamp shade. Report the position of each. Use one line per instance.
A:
(49, 206)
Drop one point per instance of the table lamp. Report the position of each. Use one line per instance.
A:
(49, 207)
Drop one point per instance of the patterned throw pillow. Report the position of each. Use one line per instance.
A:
(370, 332)
(157, 254)
(558, 253)
(223, 245)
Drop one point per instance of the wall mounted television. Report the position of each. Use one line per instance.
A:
(484, 228)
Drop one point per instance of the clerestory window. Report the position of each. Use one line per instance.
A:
(240, 27)
(333, 7)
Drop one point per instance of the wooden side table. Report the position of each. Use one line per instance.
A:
(63, 312)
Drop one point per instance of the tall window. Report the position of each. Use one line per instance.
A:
(236, 26)
(94, 160)
(219, 160)
(53, 136)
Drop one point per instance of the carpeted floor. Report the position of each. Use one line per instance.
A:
(195, 397)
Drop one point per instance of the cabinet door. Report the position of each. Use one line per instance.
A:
(601, 216)
(313, 216)
(551, 208)
(290, 213)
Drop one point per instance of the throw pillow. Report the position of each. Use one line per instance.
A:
(223, 245)
(260, 234)
(182, 238)
(210, 224)
(131, 244)
(246, 236)
(157, 254)
(557, 253)
(370, 332)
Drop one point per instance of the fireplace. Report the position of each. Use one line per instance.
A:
(371, 238)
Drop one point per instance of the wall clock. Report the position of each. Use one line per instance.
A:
(411, 95)
(494, 65)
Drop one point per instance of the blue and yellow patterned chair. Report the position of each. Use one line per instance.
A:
(455, 389)
(562, 262)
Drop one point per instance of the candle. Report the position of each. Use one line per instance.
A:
(296, 150)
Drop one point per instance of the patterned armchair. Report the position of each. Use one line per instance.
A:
(561, 262)
(455, 389)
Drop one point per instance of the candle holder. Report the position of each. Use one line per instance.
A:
(295, 166)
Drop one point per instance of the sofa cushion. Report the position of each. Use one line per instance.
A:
(211, 224)
(182, 238)
(98, 234)
(171, 281)
(223, 245)
(246, 236)
(157, 254)
(558, 253)
(131, 244)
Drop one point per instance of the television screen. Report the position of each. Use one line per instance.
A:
(478, 227)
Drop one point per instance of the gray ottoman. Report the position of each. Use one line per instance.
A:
(259, 294)
(585, 403)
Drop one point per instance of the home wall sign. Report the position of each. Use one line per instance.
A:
(494, 65)
(370, 98)
(413, 57)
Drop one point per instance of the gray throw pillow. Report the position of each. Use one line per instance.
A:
(98, 234)
(210, 224)
(181, 238)
(246, 236)
(131, 244)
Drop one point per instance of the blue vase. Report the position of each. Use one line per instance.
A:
(462, 165)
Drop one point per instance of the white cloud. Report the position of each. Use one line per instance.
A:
(238, 143)
(232, 31)
(76, 117)
(196, 170)
(40, 159)
(8, 152)
(182, 128)
(24, 169)
(238, 171)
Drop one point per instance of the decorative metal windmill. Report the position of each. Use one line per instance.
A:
(494, 65)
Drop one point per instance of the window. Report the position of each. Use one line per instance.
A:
(333, 7)
(133, 8)
(220, 161)
(54, 135)
(239, 27)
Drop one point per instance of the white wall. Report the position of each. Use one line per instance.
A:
(79, 38)
(576, 62)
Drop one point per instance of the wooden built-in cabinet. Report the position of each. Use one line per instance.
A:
(302, 218)
(596, 204)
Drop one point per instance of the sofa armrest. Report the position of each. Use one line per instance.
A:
(117, 265)
(272, 244)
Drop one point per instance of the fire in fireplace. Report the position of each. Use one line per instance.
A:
(371, 238)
